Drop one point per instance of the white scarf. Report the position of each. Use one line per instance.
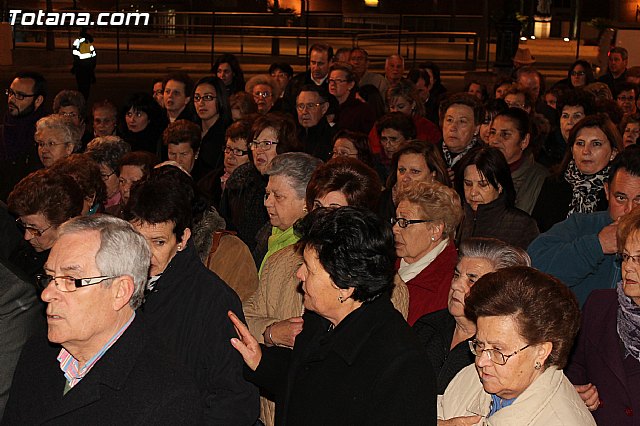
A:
(408, 271)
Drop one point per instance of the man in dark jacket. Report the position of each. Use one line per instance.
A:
(100, 365)
(315, 132)
(320, 56)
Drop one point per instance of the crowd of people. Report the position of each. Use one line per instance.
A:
(333, 247)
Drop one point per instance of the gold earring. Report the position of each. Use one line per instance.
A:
(538, 366)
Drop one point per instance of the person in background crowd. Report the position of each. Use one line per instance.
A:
(107, 152)
(214, 112)
(369, 94)
(346, 300)
(627, 97)
(186, 304)
(356, 145)
(158, 92)
(86, 173)
(551, 97)
(610, 321)
(242, 106)
(142, 123)
(579, 75)
(523, 58)
(320, 58)
(25, 106)
(104, 118)
(282, 74)
(134, 167)
(445, 334)
(94, 282)
(227, 68)
(56, 138)
(342, 55)
(72, 106)
(477, 89)
(393, 70)
(630, 130)
(182, 139)
(177, 97)
(579, 185)
(359, 60)
(422, 82)
(617, 70)
(492, 108)
(353, 114)
(484, 182)
(526, 323)
(581, 250)
(436, 88)
(393, 129)
(265, 91)
(502, 87)
(314, 133)
(426, 218)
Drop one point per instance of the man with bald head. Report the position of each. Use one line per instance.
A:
(393, 70)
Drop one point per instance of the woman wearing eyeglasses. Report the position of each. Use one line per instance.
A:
(526, 323)
(488, 195)
(606, 358)
(242, 202)
(265, 92)
(353, 114)
(579, 75)
(427, 215)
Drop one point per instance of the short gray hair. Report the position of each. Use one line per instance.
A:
(297, 167)
(69, 132)
(265, 79)
(108, 150)
(123, 251)
(500, 254)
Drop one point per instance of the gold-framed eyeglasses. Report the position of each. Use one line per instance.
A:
(32, 229)
(494, 355)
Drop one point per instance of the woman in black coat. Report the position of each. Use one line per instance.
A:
(355, 362)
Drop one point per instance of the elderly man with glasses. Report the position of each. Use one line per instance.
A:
(98, 363)
(315, 132)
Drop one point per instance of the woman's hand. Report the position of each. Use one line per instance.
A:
(247, 345)
(589, 394)
(460, 421)
(283, 333)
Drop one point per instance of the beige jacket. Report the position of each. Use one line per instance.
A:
(551, 400)
(278, 298)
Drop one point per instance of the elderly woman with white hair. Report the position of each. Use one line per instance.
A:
(56, 138)
(265, 91)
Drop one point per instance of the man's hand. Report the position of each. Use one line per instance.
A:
(607, 237)
(589, 394)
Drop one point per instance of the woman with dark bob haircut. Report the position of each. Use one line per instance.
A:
(526, 323)
(488, 197)
(142, 122)
(346, 275)
(577, 186)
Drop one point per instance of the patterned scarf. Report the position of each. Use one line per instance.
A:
(628, 324)
(451, 159)
(585, 188)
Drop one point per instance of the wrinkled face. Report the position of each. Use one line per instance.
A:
(531, 83)
(263, 155)
(358, 61)
(104, 122)
(516, 100)
(475, 90)
(23, 87)
(281, 78)
(333, 199)
(137, 121)
(391, 140)
(163, 243)
(263, 95)
(477, 189)
(627, 101)
(225, 73)
(38, 231)
(175, 96)
(509, 380)
(110, 179)
(129, 175)
(413, 168)
(393, 69)
(83, 319)
(320, 293)
(71, 113)
(183, 154)
(623, 193)
(414, 241)
(343, 147)
(458, 127)
(592, 150)
(467, 272)
(319, 64)
(339, 86)
(506, 137)
(234, 159)
(631, 133)
(617, 65)
(311, 109)
(578, 76)
(158, 93)
(502, 90)
(551, 100)
(283, 204)
(204, 100)
(569, 117)
(51, 145)
(403, 105)
(631, 268)
(423, 90)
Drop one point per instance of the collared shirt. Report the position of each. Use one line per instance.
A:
(319, 82)
(69, 365)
